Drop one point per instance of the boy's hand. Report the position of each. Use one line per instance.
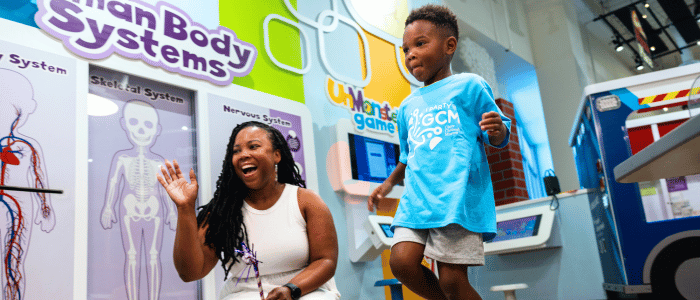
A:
(492, 123)
(379, 193)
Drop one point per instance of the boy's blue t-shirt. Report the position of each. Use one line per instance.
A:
(442, 145)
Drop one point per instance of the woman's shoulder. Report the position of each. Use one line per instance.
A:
(307, 195)
(309, 200)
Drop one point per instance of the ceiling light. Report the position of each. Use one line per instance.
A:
(619, 44)
(698, 42)
(646, 5)
(665, 108)
(652, 48)
(644, 16)
(638, 61)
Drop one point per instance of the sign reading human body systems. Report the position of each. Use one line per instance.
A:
(161, 35)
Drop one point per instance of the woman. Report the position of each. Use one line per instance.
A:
(259, 200)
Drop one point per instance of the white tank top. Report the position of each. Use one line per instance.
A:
(278, 236)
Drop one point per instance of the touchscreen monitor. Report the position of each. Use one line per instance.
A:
(386, 228)
(517, 228)
(372, 160)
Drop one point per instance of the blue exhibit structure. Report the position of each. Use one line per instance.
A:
(639, 254)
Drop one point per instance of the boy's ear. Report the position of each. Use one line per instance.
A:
(450, 45)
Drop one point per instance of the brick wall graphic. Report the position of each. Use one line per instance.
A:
(506, 164)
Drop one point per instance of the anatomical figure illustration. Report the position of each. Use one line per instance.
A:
(135, 200)
(21, 165)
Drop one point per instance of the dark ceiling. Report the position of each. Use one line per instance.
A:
(662, 18)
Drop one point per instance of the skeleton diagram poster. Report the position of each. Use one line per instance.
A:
(225, 114)
(134, 124)
(37, 144)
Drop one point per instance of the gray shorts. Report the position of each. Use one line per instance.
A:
(451, 244)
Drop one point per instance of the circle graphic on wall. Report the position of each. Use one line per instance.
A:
(293, 141)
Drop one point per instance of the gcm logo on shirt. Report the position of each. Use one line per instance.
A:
(432, 124)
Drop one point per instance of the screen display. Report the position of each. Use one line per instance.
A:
(517, 228)
(371, 159)
(387, 230)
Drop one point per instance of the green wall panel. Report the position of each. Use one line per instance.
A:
(246, 19)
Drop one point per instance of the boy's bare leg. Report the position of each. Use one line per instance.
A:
(454, 282)
(405, 262)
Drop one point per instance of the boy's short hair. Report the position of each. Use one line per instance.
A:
(441, 16)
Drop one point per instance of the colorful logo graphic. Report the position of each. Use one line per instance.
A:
(161, 35)
(368, 114)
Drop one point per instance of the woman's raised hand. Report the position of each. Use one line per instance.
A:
(183, 193)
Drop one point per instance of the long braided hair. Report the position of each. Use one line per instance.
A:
(224, 213)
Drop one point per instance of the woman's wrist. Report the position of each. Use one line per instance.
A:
(295, 290)
(184, 208)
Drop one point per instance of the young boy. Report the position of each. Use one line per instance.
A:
(448, 201)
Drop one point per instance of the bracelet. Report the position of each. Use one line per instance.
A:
(296, 291)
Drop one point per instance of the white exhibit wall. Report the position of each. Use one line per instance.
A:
(502, 21)
(35, 38)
